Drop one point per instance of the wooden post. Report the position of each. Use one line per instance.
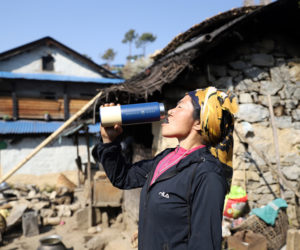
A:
(272, 168)
(275, 139)
(0, 166)
(90, 222)
(293, 239)
(51, 137)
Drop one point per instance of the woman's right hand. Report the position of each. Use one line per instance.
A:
(109, 134)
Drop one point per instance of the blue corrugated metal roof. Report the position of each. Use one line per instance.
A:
(35, 127)
(63, 78)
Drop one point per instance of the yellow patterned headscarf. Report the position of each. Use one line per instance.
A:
(217, 121)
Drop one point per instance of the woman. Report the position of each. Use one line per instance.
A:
(183, 190)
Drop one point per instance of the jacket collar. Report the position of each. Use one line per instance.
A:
(198, 156)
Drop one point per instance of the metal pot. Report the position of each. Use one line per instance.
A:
(51, 242)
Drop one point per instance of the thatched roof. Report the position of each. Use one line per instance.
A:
(186, 47)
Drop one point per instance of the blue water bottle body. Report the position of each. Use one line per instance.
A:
(132, 114)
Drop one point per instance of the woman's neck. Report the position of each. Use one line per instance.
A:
(189, 143)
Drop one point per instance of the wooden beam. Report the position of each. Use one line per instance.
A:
(15, 103)
(51, 137)
(66, 104)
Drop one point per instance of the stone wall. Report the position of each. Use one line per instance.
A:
(252, 71)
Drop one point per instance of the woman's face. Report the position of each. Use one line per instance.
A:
(180, 119)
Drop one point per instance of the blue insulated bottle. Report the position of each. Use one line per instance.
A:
(132, 114)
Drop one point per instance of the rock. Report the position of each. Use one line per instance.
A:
(289, 195)
(60, 191)
(265, 199)
(262, 60)
(238, 65)
(52, 195)
(254, 157)
(280, 74)
(270, 88)
(47, 212)
(255, 74)
(262, 99)
(294, 71)
(63, 211)
(93, 230)
(292, 172)
(82, 218)
(268, 179)
(224, 82)
(291, 159)
(41, 204)
(296, 114)
(296, 125)
(279, 110)
(251, 175)
(66, 200)
(297, 94)
(252, 112)
(291, 104)
(100, 241)
(218, 70)
(266, 189)
(283, 122)
(247, 129)
(247, 85)
(75, 206)
(16, 214)
(292, 214)
(245, 98)
(237, 79)
(287, 91)
(293, 239)
(233, 73)
(51, 221)
(105, 220)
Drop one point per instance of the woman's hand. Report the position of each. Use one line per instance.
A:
(109, 134)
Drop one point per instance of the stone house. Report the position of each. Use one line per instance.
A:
(42, 84)
(254, 52)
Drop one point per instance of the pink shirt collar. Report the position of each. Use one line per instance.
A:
(172, 159)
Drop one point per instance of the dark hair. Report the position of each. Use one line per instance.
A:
(196, 112)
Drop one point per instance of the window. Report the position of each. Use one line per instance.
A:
(48, 62)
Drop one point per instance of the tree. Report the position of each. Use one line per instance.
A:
(144, 40)
(129, 37)
(249, 2)
(109, 55)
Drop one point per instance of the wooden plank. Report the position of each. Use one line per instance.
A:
(76, 104)
(6, 106)
(35, 108)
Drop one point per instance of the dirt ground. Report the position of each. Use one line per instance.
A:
(116, 237)
(72, 237)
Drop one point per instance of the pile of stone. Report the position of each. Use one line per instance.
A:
(46, 207)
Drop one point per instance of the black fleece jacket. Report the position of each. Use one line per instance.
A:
(183, 208)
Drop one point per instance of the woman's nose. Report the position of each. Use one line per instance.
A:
(170, 111)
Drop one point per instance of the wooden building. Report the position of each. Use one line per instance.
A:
(45, 79)
(42, 84)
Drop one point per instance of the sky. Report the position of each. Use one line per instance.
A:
(91, 27)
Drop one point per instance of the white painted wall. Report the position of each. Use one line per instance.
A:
(31, 62)
(56, 157)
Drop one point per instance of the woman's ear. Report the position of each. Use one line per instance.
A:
(197, 125)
